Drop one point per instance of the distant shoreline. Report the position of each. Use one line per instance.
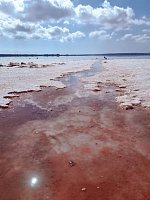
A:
(60, 55)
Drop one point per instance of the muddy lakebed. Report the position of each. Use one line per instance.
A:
(74, 144)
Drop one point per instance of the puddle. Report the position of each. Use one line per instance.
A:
(73, 79)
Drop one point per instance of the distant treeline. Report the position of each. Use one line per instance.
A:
(58, 55)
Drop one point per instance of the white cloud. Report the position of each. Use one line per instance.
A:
(11, 6)
(56, 33)
(84, 13)
(143, 21)
(66, 22)
(37, 10)
(14, 28)
(55, 10)
(38, 19)
(72, 36)
(40, 10)
(143, 38)
(127, 36)
(102, 35)
(106, 15)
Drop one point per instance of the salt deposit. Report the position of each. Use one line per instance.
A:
(16, 79)
(131, 76)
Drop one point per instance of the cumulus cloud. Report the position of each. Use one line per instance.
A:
(106, 15)
(109, 16)
(11, 7)
(54, 10)
(143, 21)
(39, 19)
(14, 28)
(39, 10)
(137, 38)
(102, 35)
(72, 36)
(7, 7)
(56, 33)
(25, 19)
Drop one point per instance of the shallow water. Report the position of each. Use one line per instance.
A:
(43, 132)
(74, 79)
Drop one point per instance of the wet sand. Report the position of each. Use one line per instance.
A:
(74, 144)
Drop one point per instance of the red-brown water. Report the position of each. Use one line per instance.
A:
(70, 144)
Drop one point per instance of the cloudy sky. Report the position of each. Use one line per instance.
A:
(77, 26)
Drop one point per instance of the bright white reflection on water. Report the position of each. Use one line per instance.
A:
(34, 181)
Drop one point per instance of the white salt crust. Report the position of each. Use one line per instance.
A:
(132, 77)
(17, 79)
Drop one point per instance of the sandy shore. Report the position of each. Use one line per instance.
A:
(75, 142)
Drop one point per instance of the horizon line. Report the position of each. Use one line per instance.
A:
(58, 55)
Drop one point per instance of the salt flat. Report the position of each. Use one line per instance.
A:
(18, 79)
(131, 76)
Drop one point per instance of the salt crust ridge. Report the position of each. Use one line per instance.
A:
(132, 78)
(14, 80)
